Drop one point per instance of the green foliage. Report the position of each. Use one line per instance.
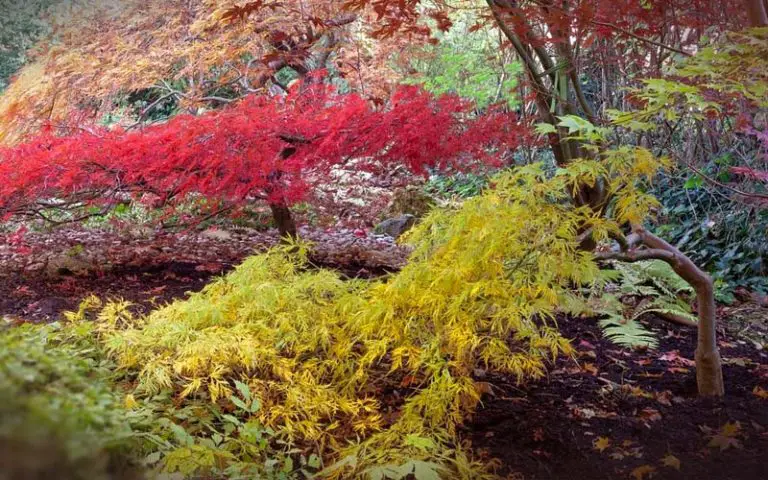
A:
(469, 75)
(650, 278)
(469, 64)
(724, 80)
(57, 398)
(20, 27)
(724, 237)
(704, 84)
(738, 65)
(458, 185)
(627, 333)
(630, 291)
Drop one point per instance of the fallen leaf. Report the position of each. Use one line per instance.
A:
(740, 361)
(664, 398)
(723, 443)
(590, 368)
(538, 435)
(674, 356)
(671, 461)
(650, 414)
(584, 413)
(760, 393)
(643, 471)
(731, 429)
(726, 437)
(601, 443)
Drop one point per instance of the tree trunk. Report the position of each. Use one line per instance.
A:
(709, 371)
(284, 221)
(758, 16)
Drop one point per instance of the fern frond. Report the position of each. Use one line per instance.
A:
(628, 333)
(665, 307)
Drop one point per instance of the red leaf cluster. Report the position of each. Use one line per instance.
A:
(270, 148)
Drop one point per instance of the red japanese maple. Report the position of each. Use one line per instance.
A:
(271, 148)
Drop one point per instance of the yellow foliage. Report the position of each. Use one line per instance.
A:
(318, 352)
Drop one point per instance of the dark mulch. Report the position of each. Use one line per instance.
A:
(155, 269)
(42, 298)
(642, 404)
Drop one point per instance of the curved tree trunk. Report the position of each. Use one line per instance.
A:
(709, 371)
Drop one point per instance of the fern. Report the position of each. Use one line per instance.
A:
(664, 306)
(627, 333)
(654, 273)
(660, 288)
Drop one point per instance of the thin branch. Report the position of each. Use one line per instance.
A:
(642, 39)
(633, 256)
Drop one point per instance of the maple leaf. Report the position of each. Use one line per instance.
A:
(601, 444)
(731, 429)
(643, 472)
(726, 437)
(671, 461)
(674, 357)
(759, 392)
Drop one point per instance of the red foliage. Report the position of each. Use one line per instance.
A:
(275, 149)
(750, 173)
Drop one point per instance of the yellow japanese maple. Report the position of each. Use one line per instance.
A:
(481, 291)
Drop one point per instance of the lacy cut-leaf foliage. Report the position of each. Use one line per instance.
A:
(323, 356)
(238, 154)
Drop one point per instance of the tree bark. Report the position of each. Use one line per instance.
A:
(756, 10)
(284, 221)
(709, 371)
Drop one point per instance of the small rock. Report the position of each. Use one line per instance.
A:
(394, 227)
(220, 235)
(68, 265)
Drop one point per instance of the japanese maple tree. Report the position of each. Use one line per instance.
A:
(263, 148)
(200, 55)
(554, 41)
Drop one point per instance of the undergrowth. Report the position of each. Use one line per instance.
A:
(635, 290)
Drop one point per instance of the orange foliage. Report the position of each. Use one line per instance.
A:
(99, 50)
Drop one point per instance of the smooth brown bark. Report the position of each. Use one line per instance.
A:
(709, 371)
(756, 10)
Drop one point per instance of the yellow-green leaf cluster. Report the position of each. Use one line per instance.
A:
(322, 355)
